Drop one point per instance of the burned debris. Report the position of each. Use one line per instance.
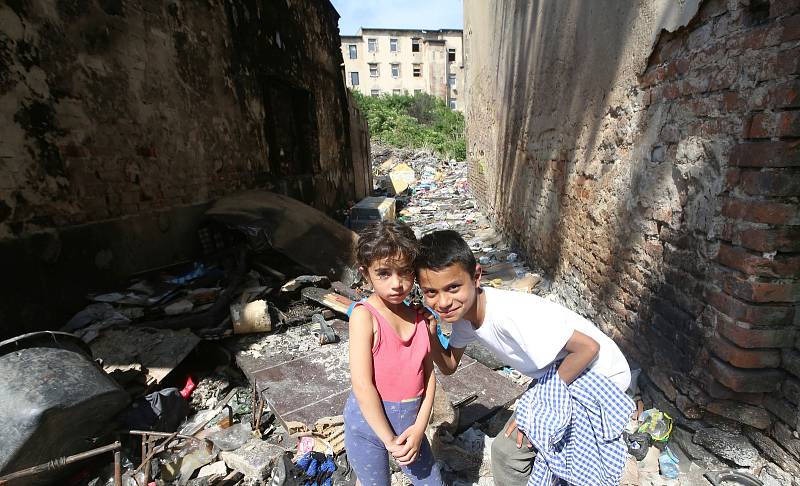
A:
(233, 368)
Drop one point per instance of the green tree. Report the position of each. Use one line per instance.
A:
(418, 121)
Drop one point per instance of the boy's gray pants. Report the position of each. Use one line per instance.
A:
(511, 466)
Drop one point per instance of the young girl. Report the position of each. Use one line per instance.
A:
(390, 365)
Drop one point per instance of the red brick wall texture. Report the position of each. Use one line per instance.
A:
(676, 227)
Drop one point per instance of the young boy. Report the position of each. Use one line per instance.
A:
(523, 330)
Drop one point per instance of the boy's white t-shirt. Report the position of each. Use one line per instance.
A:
(528, 333)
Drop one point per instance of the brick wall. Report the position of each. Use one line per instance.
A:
(664, 202)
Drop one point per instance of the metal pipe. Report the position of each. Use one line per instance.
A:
(146, 450)
(160, 434)
(155, 450)
(117, 468)
(59, 463)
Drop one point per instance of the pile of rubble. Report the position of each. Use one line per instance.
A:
(232, 369)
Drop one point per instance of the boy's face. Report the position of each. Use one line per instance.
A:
(451, 291)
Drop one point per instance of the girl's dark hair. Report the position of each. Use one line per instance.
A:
(386, 239)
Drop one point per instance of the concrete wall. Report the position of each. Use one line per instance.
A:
(645, 154)
(432, 56)
(120, 120)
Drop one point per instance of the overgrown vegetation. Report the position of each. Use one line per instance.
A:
(419, 121)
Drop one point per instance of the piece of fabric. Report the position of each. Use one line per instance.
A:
(160, 411)
(370, 459)
(576, 429)
(397, 365)
(528, 333)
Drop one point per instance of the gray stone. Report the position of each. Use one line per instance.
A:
(734, 448)
(773, 451)
(254, 459)
(698, 454)
(772, 475)
(740, 412)
(723, 424)
(653, 397)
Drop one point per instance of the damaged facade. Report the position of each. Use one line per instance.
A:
(652, 171)
(123, 121)
(406, 61)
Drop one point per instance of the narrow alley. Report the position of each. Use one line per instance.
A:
(183, 185)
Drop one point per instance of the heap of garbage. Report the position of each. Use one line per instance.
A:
(231, 369)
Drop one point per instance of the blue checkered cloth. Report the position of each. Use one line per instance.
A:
(576, 429)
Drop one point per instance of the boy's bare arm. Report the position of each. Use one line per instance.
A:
(582, 350)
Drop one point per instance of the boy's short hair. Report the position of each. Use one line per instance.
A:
(441, 249)
(386, 239)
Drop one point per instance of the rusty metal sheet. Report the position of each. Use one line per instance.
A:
(304, 381)
(492, 390)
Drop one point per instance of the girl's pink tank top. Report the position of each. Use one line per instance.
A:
(398, 368)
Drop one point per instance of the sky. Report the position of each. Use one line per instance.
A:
(400, 14)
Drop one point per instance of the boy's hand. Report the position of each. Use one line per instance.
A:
(409, 443)
(510, 430)
(429, 317)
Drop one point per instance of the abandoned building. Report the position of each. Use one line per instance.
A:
(652, 171)
(406, 61)
(123, 121)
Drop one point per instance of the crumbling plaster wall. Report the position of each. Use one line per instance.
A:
(121, 121)
(645, 154)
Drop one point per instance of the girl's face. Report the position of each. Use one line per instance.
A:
(391, 278)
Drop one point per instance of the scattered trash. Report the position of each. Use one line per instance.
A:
(400, 179)
(371, 210)
(160, 411)
(329, 299)
(638, 444)
(298, 231)
(303, 281)
(321, 329)
(231, 438)
(731, 477)
(668, 463)
(251, 317)
(54, 376)
(656, 423)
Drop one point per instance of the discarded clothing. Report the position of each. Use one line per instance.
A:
(161, 411)
(576, 429)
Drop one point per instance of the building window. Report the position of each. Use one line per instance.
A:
(372, 45)
(353, 51)
(375, 93)
(392, 45)
(396, 92)
(417, 91)
(452, 104)
(395, 70)
(451, 55)
(373, 70)
(451, 80)
(417, 70)
(414, 45)
(354, 78)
